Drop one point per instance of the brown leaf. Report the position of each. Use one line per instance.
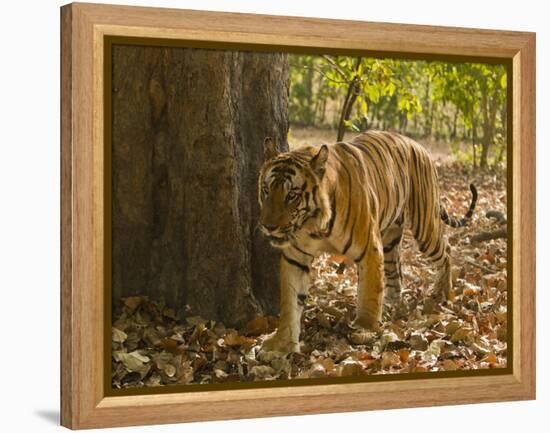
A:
(449, 365)
(490, 358)
(234, 339)
(328, 364)
(452, 327)
(350, 367)
(462, 334)
(418, 342)
(420, 369)
(324, 320)
(404, 355)
(185, 374)
(257, 326)
(132, 302)
(169, 345)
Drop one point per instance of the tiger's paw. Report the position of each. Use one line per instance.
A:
(392, 297)
(388, 311)
(441, 288)
(277, 345)
(366, 323)
(435, 295)
(391, 303)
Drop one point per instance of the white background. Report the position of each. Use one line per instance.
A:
(29, 214)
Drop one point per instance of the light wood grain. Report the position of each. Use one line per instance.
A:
(524, 215)
(84, 26)
(306, 32)
(67, 386)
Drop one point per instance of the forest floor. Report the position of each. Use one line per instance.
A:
(151, 346)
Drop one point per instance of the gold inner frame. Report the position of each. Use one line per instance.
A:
(108, 42)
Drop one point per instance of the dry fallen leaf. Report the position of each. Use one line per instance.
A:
(119, 336)
(133, 302)
(257, 326)
(234, 339)
(262, 372)
(362, 337)
(449, 365)
(390, 359)
(350, 367)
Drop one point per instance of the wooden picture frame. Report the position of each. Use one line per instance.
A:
(84, 400)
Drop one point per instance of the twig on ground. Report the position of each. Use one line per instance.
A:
(497, 215)
(487, 236)
(480, 266)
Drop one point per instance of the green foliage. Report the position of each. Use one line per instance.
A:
(436, 100)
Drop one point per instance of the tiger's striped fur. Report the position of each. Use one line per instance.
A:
(352, 198)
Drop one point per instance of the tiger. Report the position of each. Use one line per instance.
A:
(352, 198)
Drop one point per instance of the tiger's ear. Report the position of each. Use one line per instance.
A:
(270, 149)
(319, 161)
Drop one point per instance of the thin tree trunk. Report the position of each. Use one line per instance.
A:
(427, 124)
(455, 121)
(351, 96)
(403, 120)
(474, 140)
(308, 86)
(485, 116)
(323, 111)
(374, 116)
(504, 120)
(346, 110)
(489, 119)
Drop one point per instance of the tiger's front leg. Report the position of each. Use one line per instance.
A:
(370, 290)
(294, 277)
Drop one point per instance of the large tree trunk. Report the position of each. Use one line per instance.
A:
(188, 130)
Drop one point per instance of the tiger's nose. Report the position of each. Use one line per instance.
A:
(270, 227)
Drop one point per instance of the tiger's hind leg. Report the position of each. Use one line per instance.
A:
(370, 288)
(391, 239)
(426, 225)
(437, 250)
(444, 281)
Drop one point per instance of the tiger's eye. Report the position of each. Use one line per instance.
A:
(291, 196)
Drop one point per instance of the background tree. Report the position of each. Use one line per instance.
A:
(478, 92)
(188, 128)
(453, 102)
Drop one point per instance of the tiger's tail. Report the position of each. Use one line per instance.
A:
(455, 222)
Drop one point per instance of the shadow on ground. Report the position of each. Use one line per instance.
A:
(50, 415)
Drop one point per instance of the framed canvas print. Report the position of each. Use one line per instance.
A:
(314, 215)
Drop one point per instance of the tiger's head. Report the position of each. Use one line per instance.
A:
(291, 190)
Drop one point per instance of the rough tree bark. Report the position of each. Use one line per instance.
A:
(188, 128)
